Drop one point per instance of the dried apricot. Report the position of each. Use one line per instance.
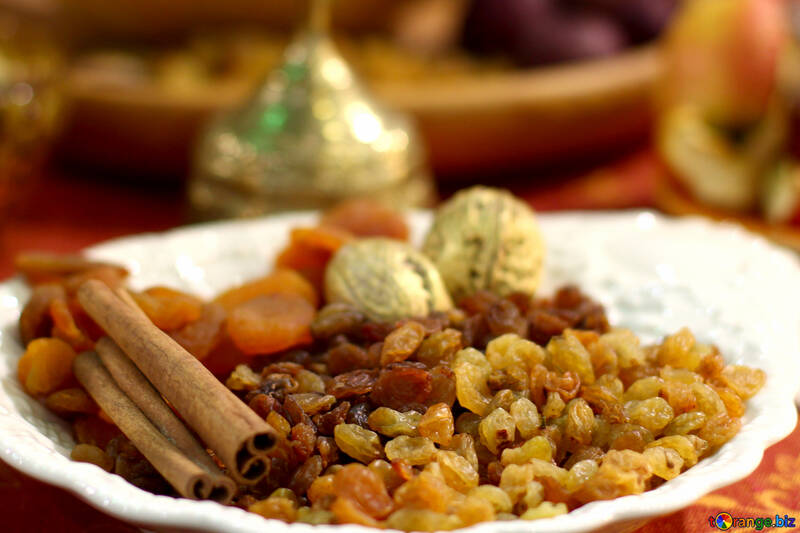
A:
(200, 337)
(309, 251)
(169, 309)
(366, 217)
(283, 281)
(46, 365)
(35, 319)
(65, 328)
(40, 267)
(70, 401)
(272, 323)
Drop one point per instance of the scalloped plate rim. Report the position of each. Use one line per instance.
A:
(208, 516)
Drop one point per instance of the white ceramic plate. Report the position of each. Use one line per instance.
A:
(653, 274)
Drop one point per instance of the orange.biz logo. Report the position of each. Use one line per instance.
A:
(725, 521)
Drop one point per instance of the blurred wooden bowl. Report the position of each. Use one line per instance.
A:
(473, 125)
(93, 20)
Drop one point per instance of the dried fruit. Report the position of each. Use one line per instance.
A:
(282, 281)
(496, 496)
(545, 510)
(401, 343)
(686, 423)
(676, 351)
(359, 443)
(366, 218)
(437, 424)
(347, 357)
(401, 385)
(201, 336)
(568, 354)
(350, 384)
(314, 402)
(46, 366)
(745, 381)
(71, 401)
(394, 423)
(167, 308)
(364, 488)
(35, 320)
(439, 347)
(535, 448)
(277, 508)
(88, 453)
(665, 463)
(422, 520)
(526, 417)
(413, 450)
(458, 472)
(497, 430)
(269, 324)
(652, 413)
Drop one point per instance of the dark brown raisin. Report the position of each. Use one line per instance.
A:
(347, 357)
(401, 384)
(443, 386)
(325, 423)
(350, 384)
(306, 474)
(328, 451)
(359, 413)
(504, 317)
(303, 439)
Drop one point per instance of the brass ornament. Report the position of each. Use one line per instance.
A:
(310, 136)
(485, 238)
(386, 280)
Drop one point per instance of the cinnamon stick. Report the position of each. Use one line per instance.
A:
(136, 386)
(239, 437)
(188, 478)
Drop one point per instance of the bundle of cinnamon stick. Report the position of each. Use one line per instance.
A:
(132, 373)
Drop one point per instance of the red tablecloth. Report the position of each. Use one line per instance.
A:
(70, 213)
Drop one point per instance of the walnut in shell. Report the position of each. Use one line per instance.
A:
(386, 280)
(484, 238)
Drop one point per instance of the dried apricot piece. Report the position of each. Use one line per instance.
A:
(200, 337)
(366, 218)
(272, 323)
(283, 280)
(35, 319)
(224, 357)
(68, 401)
(309, 251)
(46, 365)
(42, 267)
(169, 309)
(65, 328)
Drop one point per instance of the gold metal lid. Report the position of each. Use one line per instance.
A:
(311, 135)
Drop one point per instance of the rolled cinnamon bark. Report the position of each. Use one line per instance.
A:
(239, 437)
(187, 477)
(136, 386)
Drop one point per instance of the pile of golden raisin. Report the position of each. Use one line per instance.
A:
(501, 408)
(457, 418)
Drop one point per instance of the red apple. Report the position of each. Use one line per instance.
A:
(721, 56)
